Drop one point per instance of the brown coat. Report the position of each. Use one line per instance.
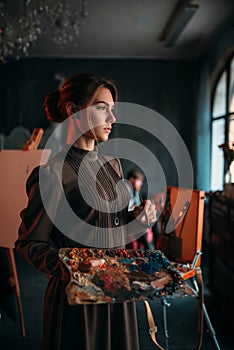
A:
(88, 327)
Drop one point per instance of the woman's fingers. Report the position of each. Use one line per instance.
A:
(150, 210)
(146, 212)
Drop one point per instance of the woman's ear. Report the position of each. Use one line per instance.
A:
(71, 109)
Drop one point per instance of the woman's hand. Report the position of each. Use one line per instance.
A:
(145, 212)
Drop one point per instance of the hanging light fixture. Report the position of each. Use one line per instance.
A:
(23, 21)
(179, 19)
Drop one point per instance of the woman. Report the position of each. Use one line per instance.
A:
(86, 101)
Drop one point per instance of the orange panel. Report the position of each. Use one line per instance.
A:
(182, 243)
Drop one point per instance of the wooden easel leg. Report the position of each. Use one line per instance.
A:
(15, 283)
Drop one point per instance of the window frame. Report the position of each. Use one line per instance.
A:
(226, 67)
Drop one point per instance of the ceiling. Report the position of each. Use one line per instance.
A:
(132, 28)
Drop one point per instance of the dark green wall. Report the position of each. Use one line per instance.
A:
(164, 86)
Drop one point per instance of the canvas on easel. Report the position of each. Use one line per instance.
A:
(16, 166)
(185, 240)
(183, 246)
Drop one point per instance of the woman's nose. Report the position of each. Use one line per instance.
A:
(111, 118)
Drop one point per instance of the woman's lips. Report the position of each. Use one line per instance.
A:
(107, 130)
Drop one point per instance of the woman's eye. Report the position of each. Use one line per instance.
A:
(101, 108)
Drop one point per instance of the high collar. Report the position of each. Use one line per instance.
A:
(90, 154)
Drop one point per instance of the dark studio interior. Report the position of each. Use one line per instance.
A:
(173, 62)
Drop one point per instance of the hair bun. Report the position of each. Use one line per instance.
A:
(51, 106)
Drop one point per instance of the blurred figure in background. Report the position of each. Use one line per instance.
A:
(135, 181)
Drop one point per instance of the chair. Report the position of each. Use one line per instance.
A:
(183, 246)
(16, 166)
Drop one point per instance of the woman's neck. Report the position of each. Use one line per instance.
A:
(85, 143)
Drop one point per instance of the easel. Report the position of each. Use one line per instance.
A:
(187, 237)
(16, 165)
(34, 140)
(197, 283)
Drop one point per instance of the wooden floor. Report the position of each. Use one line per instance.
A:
(181, 319)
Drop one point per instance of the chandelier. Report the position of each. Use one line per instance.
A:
(23, 21)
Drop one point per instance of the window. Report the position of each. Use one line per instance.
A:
(222, 123)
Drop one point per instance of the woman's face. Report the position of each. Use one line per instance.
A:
(99, 115)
